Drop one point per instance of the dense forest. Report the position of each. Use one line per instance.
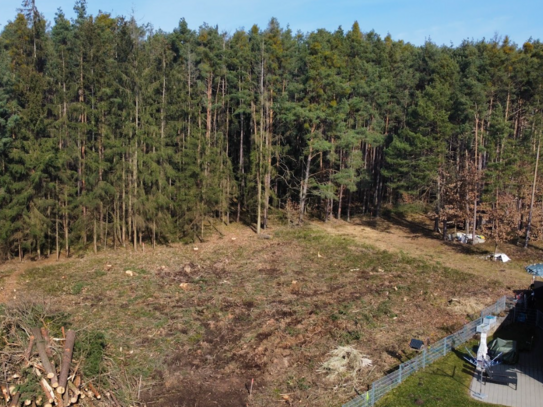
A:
(113, 134)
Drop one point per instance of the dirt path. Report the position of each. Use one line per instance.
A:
(419, 241)
(9, 284)
(11, 272)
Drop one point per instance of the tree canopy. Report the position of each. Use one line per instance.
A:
(112, 133)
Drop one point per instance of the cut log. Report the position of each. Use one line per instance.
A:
(45, 335)
(39, 401)
(6, 394)
(75, 392)
(94, 391)
(28, 352)
(47, 390)
(66, 399)
(27, 402)
(77, 381)
(58, 400)
(15, 400)
(40, 344)
(66, 361)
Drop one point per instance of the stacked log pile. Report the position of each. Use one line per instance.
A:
(32, 378)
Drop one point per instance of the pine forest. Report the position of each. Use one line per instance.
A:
(114, 134)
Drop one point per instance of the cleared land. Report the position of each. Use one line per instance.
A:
(196, 326)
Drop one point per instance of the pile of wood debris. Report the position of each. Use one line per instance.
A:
(31, 377)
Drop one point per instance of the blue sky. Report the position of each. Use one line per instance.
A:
(415, 21)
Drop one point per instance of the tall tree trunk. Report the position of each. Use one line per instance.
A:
(241, 171)
(534, 183)
(305, 182)
(349, 206)
(438, 203)
(476, 193)
(340, 200)
(95, 236)
(123, 203)
(66, 226)
(259, 145)
(57, 239)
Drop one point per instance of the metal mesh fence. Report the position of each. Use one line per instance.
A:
(427, 356)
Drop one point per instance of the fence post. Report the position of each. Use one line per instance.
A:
(445, 346)
(400, 374)
(424, 358)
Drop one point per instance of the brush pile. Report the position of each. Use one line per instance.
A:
(345, 361)
(41, 371)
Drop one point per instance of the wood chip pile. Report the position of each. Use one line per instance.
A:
(44, 374)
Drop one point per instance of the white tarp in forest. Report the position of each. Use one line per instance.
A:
(467, 238)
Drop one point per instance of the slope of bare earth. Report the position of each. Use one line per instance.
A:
(239, 320)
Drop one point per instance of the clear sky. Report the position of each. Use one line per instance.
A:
(442, 21)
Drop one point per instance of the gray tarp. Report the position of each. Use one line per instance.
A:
(508, 349)
(535, 269)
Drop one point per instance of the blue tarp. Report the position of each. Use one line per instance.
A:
(535, 269)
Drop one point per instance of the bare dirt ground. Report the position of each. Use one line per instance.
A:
(195, 325)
